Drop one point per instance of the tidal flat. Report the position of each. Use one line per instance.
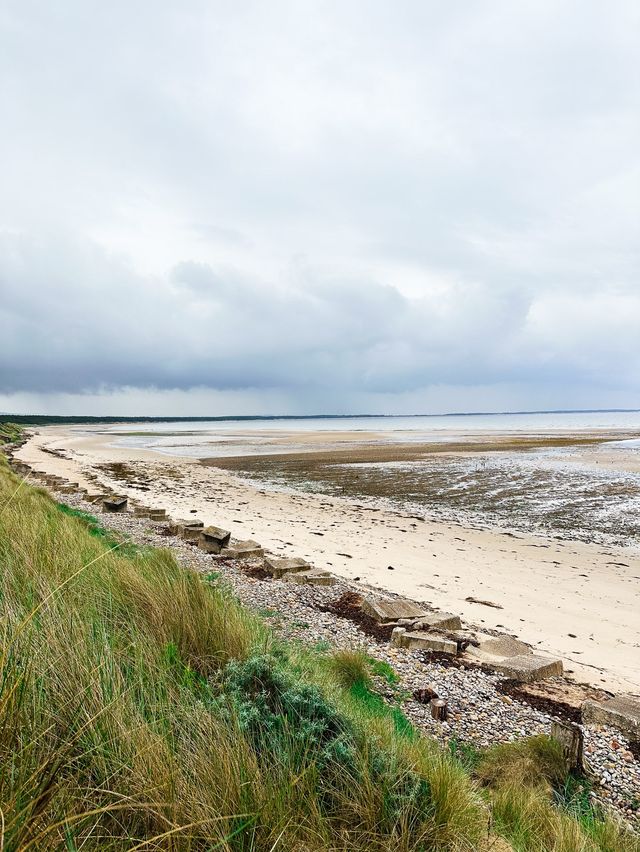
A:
(525, 484)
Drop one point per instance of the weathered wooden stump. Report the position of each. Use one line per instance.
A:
(439, 709)
(571, 739)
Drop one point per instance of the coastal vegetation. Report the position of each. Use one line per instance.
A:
(10, 432)
(143, 707)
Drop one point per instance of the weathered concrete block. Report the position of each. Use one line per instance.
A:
(439, 621)
(392, 609)
(621, 712)
(114, 504)
(416, 640)
(277, 566)
(213, 539)
(243, 550)
(313, 577)
(525, 667)
(504, 646)
(190, 530)
(157, 514)
(141, 511)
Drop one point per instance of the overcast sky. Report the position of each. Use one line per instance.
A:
(298, 207)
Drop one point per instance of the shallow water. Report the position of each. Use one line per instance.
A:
(205, 439)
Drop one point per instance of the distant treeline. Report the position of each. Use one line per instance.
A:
(45, 419)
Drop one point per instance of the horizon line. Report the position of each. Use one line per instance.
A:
(226, 417)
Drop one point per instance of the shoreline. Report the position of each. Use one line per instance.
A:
(578, 601)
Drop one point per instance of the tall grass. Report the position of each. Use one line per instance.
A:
(142, 707)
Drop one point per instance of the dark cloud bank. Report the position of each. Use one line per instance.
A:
(308, 207)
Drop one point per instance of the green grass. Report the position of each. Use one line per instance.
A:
(142, 707)
(10, 433)
(95, 528)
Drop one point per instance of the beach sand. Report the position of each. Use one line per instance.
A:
(577, 600)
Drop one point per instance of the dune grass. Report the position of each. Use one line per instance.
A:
(10, 433)
(142, 707)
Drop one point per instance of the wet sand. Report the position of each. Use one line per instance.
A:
(576, 599)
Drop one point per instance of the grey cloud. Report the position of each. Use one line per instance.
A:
(322, 200)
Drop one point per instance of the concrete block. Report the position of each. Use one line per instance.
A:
(190, 530)
(417, 640)
(313, 577)
(392, 609)
(621, 712)
(504, 646)
(525, 667)
(213, 539)
(114, 504)
(243, 550)
(278, 566)
(439, 621)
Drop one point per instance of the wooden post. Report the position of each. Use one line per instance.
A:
(439, 709)
(571, 739)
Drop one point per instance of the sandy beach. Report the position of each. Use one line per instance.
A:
(576, 599)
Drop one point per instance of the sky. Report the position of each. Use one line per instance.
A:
(218, 208)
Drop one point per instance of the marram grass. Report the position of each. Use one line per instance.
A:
(142, 707)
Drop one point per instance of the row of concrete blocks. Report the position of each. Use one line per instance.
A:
(217, 541)
(416, 628)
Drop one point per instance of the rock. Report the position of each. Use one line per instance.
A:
(396, 636)
(425, 694)
(392, 609)
(313, 577)
(243, 550)
(525, 667)
(439, 621)
(621, 712)
(213, 539)
(278, 566)
(114, 504)
(419, 640)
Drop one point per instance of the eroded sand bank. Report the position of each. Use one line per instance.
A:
(578, 600)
